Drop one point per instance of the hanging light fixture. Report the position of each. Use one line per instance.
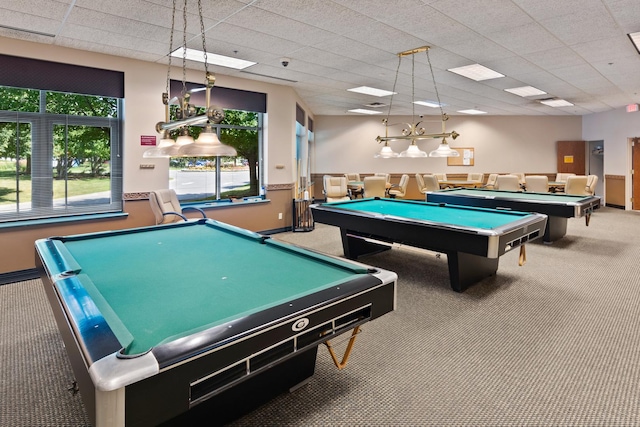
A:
(413, 131)
(386, 152)
(208, 144)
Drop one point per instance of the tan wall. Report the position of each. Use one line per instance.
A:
(412, 188)
(17, 244)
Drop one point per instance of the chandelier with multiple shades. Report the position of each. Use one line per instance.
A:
(208, 144)
(414, 131)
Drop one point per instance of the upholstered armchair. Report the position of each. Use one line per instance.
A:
(507, 182)
(441, 176)
(356, 189)
(401, 189)
(335, 188)
(491, 181)
(166, 207)
(537, 183)
(576, 184)
(375, 186)
(386, 176)
(520, 175)
(592, 180)
(475, 177)
(562, 177)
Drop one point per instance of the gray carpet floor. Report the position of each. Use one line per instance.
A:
(551, 343)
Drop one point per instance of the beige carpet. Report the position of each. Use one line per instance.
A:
(552, 343)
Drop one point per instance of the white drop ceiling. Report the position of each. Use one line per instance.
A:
(576, 50)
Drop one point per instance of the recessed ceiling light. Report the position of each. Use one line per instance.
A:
(472, 111)
(371, 91)
(635, 39)
(214, 59)
(432, 104)
(363, 111)
(556, 103)
(525, 91)
(476, 72)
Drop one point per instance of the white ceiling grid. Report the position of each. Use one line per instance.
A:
(572, 49)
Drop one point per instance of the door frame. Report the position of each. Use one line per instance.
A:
(632, 175)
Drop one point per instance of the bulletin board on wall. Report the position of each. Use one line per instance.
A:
(465, 158)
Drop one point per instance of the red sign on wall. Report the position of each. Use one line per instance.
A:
(147, 140)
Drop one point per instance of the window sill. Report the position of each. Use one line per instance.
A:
(226, 203)
(62, 219)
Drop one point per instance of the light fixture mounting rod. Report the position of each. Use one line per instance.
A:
(414, 51)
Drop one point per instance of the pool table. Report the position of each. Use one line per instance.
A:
(198, 317)
(558, 207)
(472, 238)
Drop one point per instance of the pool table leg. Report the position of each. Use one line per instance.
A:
(355, 246)
(467, 269)
(556, 229)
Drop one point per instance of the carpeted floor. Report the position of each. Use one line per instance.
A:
(552, 343)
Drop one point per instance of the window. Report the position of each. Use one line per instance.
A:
(211, 178)
(59, 154)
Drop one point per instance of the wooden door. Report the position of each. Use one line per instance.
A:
(571, 157)
(635, 171)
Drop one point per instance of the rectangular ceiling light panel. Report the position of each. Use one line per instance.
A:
(214, 59)
(432, 104)
(635, 39)
(476, 72)
(371, 91)
(363, 111)
(525, 91)
(557, 103)
(472, 111)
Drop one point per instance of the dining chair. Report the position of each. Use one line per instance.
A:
(441, 176)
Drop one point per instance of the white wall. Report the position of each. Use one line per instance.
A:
(614, 128)
(502, 143)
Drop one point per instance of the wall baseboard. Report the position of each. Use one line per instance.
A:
(19, 276)
(275, 231)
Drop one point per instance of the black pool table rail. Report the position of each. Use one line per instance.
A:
(558, 207)
(221, 366)
(552, 206)
(472, 252)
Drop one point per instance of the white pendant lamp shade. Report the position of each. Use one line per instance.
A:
(207, 145)
(386, 152)
(413, 151)
(163, 149)
(444, 150)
